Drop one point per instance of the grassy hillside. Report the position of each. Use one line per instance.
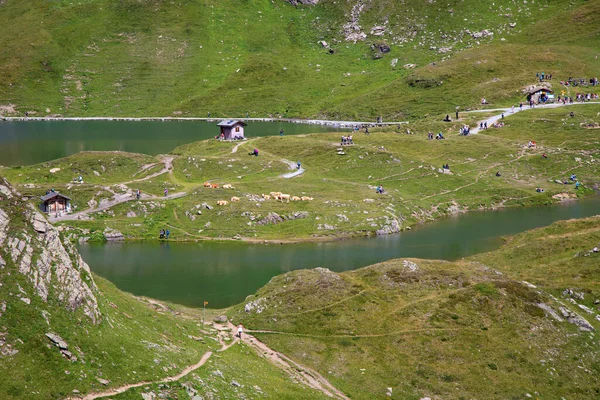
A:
(469, 329)
(342, 186)
(189, 58)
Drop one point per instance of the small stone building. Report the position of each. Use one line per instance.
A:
(54, 202)
(540, 95)
(231, 129)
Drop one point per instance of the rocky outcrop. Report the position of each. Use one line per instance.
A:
(303, 2)
(393, 226)
(34, 248)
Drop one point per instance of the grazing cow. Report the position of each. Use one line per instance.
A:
(266, 197)
(306, 198)
(214, 186)
(275, 195)
(234, 198)
(295, 198)
(227, 186)
(206, 184)
(283, 197)
(222, 202)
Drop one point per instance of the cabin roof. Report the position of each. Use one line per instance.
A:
(52, 195)
(231, 123)
(536, 89)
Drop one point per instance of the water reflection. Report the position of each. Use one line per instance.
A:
(25, 143)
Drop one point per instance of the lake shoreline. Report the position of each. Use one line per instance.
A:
(340, 237)
(335, 123)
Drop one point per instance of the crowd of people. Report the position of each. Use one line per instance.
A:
(580, 82)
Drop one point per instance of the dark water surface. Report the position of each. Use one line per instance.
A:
(32, 142)
(225, 273)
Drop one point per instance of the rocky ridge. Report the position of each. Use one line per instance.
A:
(53, 267)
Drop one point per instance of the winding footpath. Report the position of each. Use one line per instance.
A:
(298, 372)
(124, 197)
(508, 111)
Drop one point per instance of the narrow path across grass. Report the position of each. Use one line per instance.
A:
(509, 111)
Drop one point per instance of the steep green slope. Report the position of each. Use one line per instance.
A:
(153, 57)
(470, 329)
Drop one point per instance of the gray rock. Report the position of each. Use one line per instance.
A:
(392, 227)
(271, 218)
(576, 319)
(218, 373)
(149, 396)
(103, 381)
(131, 214)
(57, 340)
(221, 319)
(39, 223)
(235, 383)
(112, 235)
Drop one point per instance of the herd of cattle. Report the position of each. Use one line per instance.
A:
(273, 195)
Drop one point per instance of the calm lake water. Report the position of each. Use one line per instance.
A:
(225, 273)
(32, 142)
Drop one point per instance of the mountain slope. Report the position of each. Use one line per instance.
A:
(264, 57)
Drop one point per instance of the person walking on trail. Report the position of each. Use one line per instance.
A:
(240, 331)
(298, 164)
(138, 194)
(166, 192)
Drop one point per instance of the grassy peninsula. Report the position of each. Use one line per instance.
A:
(342, 186)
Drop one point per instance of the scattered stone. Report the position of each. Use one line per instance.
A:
(149, 396)
(576, 319)
(57, 340)
(550, 311)
(103, 381)
(131, 214)
(392, 227)
(409, 66)
(54, 170)
(389, 391)
(113, 235)
(257, 306)
(393, 64)
(221, 319)
(271, 218)
(218, 373)
(413, 267)
(235, 383)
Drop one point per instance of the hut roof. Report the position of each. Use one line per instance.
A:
(536, 89)
(52, 195)
(230, 123)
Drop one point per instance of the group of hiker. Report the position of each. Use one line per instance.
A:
(164, 234)
(580, 82)
(543, 77)
(380, 190)
(347, 140)
(466, 129)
